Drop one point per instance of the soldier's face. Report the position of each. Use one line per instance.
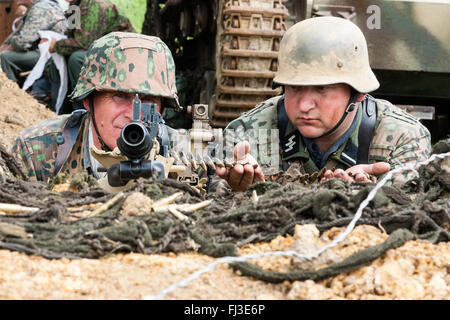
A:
(316, 109)
(112, 111)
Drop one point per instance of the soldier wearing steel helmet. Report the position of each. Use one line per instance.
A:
(325, 118)
(117, 67)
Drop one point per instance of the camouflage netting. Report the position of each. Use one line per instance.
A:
(419, 209)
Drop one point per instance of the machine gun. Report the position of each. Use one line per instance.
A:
(136, 140)
(145, 143)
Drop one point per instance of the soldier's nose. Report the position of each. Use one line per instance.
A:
(304, 99)
(305, 104)
(128, 113)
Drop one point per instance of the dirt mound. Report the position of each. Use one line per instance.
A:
(18, 110)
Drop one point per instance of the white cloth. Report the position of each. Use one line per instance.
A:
(59, 61)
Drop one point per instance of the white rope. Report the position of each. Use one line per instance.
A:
(291, 253)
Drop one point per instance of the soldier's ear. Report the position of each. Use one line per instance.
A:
(86, 104)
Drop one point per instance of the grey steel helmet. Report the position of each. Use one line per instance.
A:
(325, 50)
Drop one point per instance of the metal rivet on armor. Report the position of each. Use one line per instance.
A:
(340, 64)
(59, 139)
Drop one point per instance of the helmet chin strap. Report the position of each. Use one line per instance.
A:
(102, 143)
(350, 107)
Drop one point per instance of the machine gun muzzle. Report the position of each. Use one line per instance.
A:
(135, 142)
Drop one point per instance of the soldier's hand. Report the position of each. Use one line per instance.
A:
(359, 173)
(52, 44)
(245, 172)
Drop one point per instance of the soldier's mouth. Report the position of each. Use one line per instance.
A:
(307, 120)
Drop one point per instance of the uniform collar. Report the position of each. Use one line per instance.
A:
(294, 146)
(346, 148)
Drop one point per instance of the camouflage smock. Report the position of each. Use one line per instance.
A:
(97, 18)
(37, 148)
(41, 15)
(399, 139)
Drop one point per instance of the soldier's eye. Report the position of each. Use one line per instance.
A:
(120, 98)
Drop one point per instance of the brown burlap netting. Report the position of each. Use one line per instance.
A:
(419, 209)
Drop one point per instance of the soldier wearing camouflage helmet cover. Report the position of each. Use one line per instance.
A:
(325, 118)
(117, 67)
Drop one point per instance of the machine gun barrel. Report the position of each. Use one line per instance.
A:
(135, 142)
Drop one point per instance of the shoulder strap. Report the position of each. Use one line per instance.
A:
(70, 134)
(366, 128)
(283, 119)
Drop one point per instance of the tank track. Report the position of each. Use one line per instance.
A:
(248, 37)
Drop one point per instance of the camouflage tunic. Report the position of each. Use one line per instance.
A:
(38, 145)
(41, 15)
(399, 139)
(97, 18)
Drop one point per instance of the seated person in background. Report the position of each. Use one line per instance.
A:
(18, 52)
(97, 18)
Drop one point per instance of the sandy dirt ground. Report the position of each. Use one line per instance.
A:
(416, 270)
(18, 110)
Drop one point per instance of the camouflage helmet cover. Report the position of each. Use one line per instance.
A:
(128, 62)
(325, 50)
